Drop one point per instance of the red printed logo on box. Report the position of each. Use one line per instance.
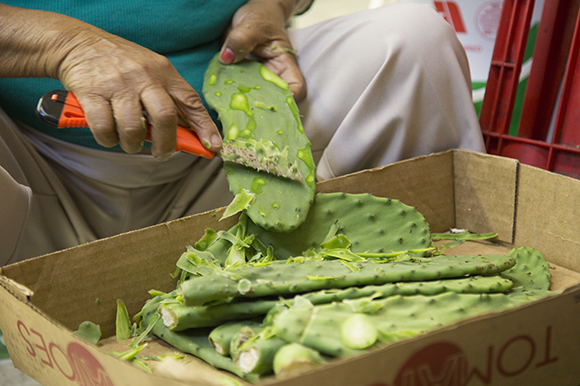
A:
(88, 370)
(76, 364)
(446, 364)
(438, 364)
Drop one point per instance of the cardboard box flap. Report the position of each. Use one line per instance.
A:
(485, 193)
(548, 217)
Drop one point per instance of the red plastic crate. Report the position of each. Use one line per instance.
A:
(553, 91)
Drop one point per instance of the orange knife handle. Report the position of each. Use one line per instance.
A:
(72, 113)
(187, 141)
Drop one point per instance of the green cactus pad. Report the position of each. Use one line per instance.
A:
(280, 277)
(255, 107)
(179, 317)
(193, 341)
(372, 224)
(400, 317)
(531, 274)
(242, 336)
(257, 356)
(293, 359)
(394, 318)
(358, 332)
(221, 336)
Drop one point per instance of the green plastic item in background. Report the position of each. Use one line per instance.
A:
(3, 349)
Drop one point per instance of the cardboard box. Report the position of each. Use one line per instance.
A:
(42, 300)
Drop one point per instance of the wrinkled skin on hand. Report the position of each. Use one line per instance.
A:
(114, 80)
(258, 28)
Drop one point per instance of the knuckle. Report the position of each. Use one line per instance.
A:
(105, 138)
(102, 129)
(244, 40)
(165, 114)
(134, 133)
(193, 101)
(163, 63)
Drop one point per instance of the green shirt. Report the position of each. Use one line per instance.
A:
(187, 32)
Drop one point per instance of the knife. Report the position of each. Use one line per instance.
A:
(60, 108)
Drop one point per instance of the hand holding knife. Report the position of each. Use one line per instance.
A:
(60, 108)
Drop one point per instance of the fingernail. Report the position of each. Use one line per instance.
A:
(163, 157)
(216, 140)
(227, 56)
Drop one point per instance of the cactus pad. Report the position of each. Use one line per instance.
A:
(258, 112)
(399, 317)
(372, 224)
(179, 317)
(279, 278)
(193, 341)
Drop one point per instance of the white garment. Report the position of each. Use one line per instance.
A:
(383, 85)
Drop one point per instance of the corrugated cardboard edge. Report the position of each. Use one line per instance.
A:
(19, 291)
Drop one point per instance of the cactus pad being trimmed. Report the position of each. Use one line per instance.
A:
(258, 111)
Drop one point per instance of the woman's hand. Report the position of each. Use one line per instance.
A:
(258, 28)
(113, 79)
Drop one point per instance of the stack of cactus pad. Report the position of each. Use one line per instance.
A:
(360, 273)
(258, 113)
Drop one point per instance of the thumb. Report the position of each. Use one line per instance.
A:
(239, 42)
